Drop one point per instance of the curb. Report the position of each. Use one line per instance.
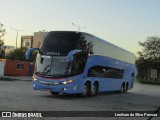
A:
(13, 79)
(5, 79)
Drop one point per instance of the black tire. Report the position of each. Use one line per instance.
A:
(54, 93)
(86, 90)
(126, 88)
(94, 89)
(123, 89)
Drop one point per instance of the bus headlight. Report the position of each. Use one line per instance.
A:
(67, 81)
(35, 79)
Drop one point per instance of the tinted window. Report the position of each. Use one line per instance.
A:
(20, 66)
(52, 66)
(78, 63)
(105, 72)
(59, 43)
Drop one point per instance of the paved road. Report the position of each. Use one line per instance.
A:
(19, 96)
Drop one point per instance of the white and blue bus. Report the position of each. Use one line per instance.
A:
(81, 63)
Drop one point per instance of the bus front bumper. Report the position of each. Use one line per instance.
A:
(70, 88)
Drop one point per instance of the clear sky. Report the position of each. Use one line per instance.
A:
(121, 22)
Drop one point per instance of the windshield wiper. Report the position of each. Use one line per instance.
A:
(45, 69)
(56, 75)
(41, 73)
(50, 76)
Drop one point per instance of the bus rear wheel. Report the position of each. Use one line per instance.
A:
(94, 90)
(126, 86)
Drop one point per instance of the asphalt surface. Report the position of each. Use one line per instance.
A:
(19, 96)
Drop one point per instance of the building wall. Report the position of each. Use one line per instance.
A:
(37, 38)
(27, 41)
(18, 68)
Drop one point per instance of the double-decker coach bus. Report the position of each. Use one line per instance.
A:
(80, 63)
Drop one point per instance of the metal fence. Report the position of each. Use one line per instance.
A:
(1, 68)
(150, 74)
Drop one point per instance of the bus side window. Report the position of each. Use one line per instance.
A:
(96, 71)
(105, 72)
(91, 72)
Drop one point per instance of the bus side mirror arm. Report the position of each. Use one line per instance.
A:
(29, 51)
(71, 53)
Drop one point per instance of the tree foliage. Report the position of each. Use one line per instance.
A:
(149, 57)
(19, 54)
(151, 48)
(2, 33)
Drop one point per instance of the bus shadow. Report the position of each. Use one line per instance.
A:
(64, 96)
(109, 93)
(78, 96)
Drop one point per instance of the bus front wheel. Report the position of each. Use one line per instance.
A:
(54, 93)
(123, 89)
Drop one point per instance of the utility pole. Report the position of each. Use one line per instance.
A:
(17, 30)
(78, 27)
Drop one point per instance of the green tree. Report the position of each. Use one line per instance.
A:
(2, 33)
(19, 54)
(149, 57)
(151, 48)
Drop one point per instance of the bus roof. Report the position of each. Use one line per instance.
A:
(69, 41)
(106, 48)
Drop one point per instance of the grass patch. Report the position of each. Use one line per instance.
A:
(157, 82)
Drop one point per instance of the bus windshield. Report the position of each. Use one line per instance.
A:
(59, 43)
(52, 66)
(57, 66)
